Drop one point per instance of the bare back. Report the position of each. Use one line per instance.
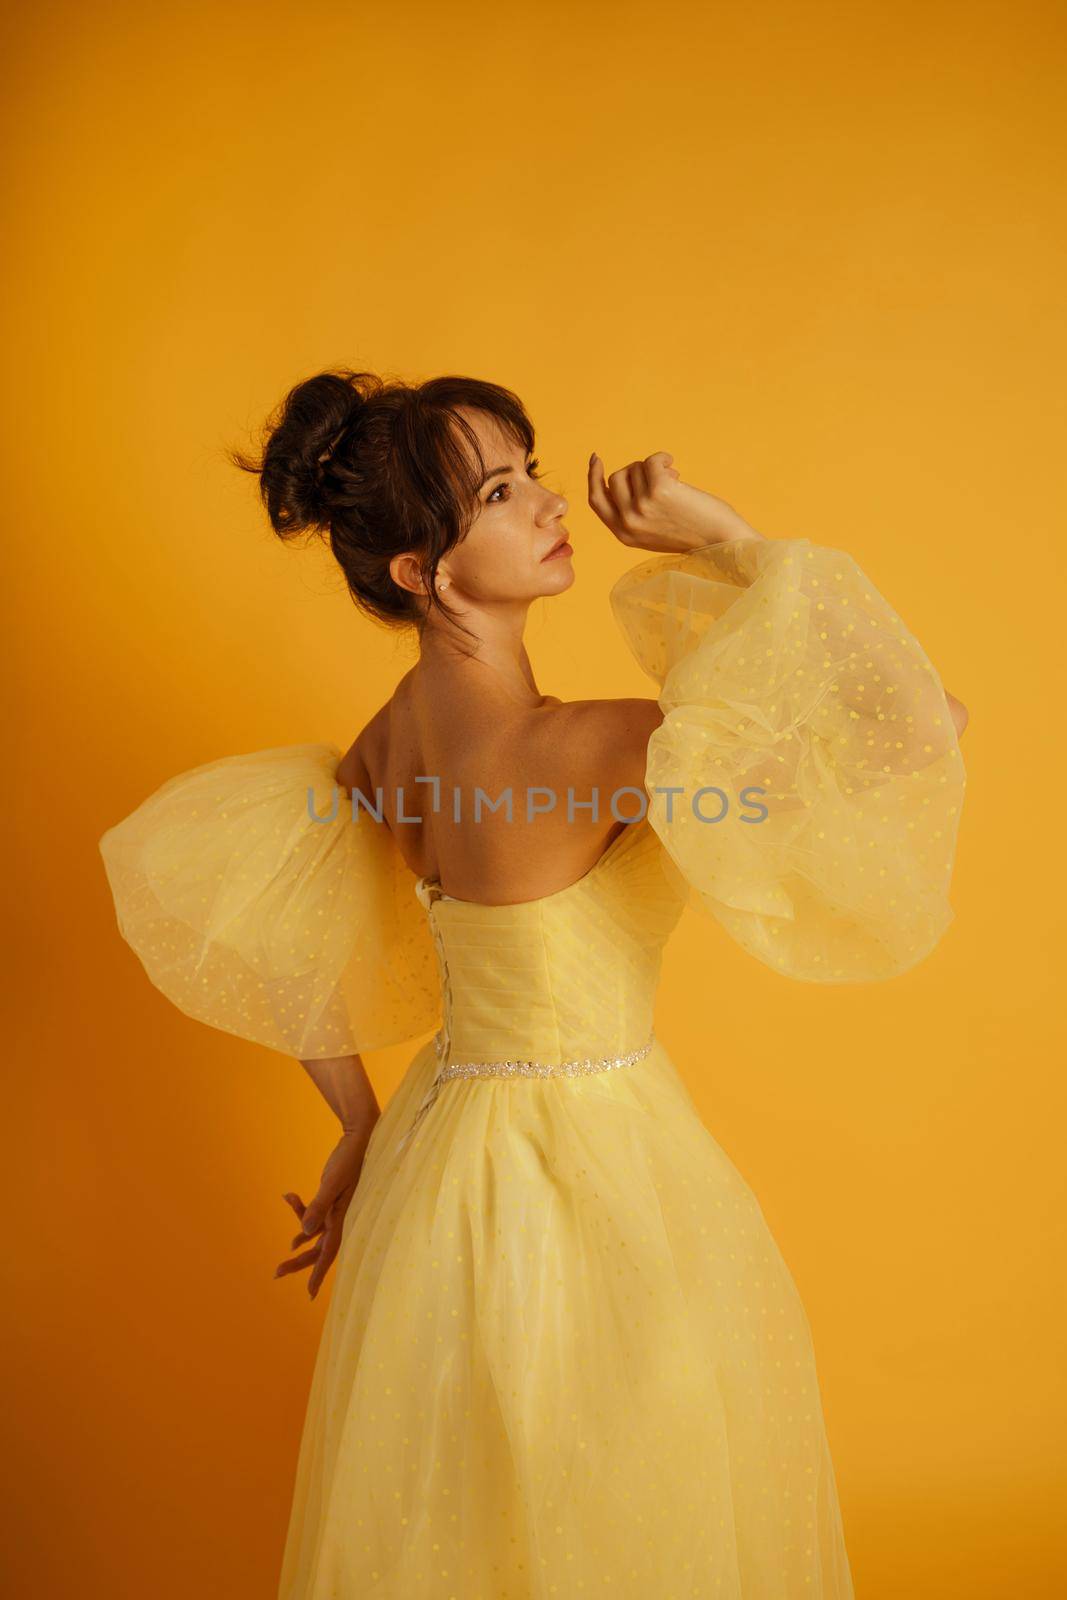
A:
(473, 738)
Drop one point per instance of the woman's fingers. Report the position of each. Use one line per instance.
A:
(632, 496)
(331, 1243)
(311, 1215)
(638, 480)
(317, 1209)
(621, 492)
(660, 465)
(298, 1263)
(321, 1255)
(599, 497)
(301, 1210)
(325, 1213)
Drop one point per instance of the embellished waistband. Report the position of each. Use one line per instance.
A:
(536, 1069)
(519, 1068)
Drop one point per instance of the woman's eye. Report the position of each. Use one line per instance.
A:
(530, 473)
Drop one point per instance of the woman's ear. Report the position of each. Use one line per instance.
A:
(406, 573)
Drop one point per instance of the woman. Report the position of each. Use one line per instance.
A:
(563, 1355)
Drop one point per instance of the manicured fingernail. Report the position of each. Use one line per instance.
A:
(308, 1225)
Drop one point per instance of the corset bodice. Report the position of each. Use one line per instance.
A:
(571, 975)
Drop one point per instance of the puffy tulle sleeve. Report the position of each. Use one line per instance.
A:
(806, 778)
(252, 914)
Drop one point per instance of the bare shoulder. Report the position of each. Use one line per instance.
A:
(363, 753)
(581, 745)
(595, 743)
(385, 736)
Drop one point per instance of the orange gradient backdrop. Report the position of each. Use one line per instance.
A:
(818, 253)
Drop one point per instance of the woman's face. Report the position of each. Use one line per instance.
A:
(517, 523)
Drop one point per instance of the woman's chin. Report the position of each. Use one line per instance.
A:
(560, 575)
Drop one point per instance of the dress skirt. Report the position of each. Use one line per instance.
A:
(563, 1356)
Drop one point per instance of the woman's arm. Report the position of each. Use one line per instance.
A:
(647, 506)
(343, 1083)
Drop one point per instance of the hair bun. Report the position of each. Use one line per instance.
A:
(383, 468)
(295, 470)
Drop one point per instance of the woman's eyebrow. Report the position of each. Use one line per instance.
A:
(498, 471)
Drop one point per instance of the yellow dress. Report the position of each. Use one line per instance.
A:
(562, 1353)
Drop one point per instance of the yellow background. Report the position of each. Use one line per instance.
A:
(815, 251)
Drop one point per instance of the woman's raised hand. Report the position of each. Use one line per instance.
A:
(648, 507)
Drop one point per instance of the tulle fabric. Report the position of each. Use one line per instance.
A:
(816, 773)
(254, 917)
(562, 1353)
(562, 1356)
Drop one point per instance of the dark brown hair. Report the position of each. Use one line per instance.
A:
(376, 467)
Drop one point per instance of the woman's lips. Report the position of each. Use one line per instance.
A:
(563, 549)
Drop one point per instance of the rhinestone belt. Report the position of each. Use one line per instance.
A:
(519, 1069)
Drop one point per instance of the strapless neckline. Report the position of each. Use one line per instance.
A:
(429, 889)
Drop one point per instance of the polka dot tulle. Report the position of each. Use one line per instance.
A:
(816, 735)
(254, 917)
(562, 1354)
